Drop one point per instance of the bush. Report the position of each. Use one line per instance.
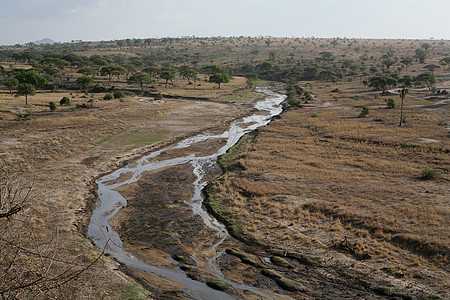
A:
(391, 103)
(364, 112)
(65, 101)
(108, 96)
(84, 105)
(429, 173)
(52, 106)
(158, 96)
(119, 94)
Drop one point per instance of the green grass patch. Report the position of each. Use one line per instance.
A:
(141, 140)
(119, 133)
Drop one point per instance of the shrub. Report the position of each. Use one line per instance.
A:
(158, 96)
(108, 96)
(391, 103)
(65, 101)
(429, 173)
(364, 112)
(119, 94)
(52, 106)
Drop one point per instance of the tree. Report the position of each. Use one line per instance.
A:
(168, 73)
(11, 83)
(187, 72)
(140, 78)
(251, 78)
(388, 62)
(382, 82)
(31, 78)
(425, 79)
(407, 61)
(84, 82)
(107, 71)
(445, 62)
(325, 56)
(431, 68)
(266, 66)
(407, 80)
(402, 95)
(219, 78)
(64, 101)
(421, 55)
(212, 69)
(25, 89)
(87, 71)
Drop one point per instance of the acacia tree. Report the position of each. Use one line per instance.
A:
(187, 72)
(382, 82)
(219, 78)
(407, 61)
(168, 73)
(84, 82)
(25, 89)
(425, 79)
(140, 78)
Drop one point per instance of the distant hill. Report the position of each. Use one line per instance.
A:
(45, 41)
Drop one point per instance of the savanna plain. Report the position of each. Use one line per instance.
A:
(344, 195)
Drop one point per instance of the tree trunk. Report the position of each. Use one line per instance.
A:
(401, 113)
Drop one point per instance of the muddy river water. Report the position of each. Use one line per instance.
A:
(111, 201)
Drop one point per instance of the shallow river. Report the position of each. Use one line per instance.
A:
(111, 201)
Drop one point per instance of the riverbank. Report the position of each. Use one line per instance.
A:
(339, 196)
(62, 153)
(163, 224)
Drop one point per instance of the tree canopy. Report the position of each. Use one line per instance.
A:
(25, 89)
(142, 79)
(219, 78)
(382, 82)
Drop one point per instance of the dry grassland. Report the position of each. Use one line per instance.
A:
(322, 178)
(61, 153)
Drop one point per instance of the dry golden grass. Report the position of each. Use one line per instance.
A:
(320, 173)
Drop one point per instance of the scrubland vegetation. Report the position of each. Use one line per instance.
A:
(335, 177)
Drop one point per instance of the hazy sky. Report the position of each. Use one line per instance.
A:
(23, 21)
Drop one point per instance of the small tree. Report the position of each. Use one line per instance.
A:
(25, 89)
(140, 78)
(64, 101)
(251, 78)
(84, 82)
(188, 73)
(364, 112)
(52, 106)
(391, 103)
(219, 78)
(108, 96)
(402, 95)
(168, 73)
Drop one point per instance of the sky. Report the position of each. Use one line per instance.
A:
(23, 21)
